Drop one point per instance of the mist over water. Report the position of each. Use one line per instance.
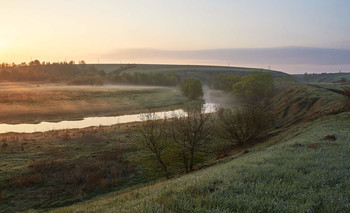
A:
(220, 98)
(97, 121)
(213, 100)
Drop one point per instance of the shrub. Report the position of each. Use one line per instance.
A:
(245, 125)
(192, 134)
(192, 88)
(154, 139)
(4, 145)
(225, 82)
(25, 180)
(254, 87)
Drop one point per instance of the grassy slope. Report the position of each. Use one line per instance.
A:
(304, 172)
(29, 179)
(299, 171)
(324, 77)
(197, 71)
(300, 103)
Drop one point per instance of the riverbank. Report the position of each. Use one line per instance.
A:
(33, 103)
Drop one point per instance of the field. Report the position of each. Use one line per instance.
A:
(324, 77)
(299, 166)
(303, 172)
(55, 168)
(103, 168)
(33, 103)
(187, 71)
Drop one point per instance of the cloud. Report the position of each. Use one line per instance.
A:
(286, 55)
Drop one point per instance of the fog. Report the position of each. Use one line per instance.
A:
(288, 59)
(52, 86)
(218, 97)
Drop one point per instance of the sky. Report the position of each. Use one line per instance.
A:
(295, 36)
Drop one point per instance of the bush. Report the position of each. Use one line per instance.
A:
(25, 180)
(192, 88)
(192, 134)
(153, 138)
(243, 126)
(225, 82)
(254, 87)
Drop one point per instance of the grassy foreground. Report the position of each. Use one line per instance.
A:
(303, 172)
(59, 168)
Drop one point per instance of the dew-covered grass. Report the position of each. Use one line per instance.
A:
(303, 172)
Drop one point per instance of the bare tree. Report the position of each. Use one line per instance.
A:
(192, 132)
(243, 126)
(154, 138)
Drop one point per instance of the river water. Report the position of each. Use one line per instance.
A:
(89, 121)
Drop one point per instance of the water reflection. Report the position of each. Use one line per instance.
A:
(88, 122)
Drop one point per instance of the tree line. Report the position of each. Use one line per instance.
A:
(82, 74)
(253, 87)
(139, 78)
(45, 71)
(183, 140)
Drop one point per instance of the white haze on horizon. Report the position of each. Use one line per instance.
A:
(286, 59)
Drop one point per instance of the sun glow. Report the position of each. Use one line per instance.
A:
(2, 47)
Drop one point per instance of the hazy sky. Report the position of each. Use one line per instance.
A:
(82, 29)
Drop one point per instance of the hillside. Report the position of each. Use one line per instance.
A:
(300, 103)
(323, 77)
(297, 170)
(196, 71)
(303, 172)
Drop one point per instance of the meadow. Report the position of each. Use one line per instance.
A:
(187, 71)
(56, 168)
(299, 166)
(303, 172)
(32, 102)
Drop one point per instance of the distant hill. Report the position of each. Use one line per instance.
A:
(185, 71)
(323, 77)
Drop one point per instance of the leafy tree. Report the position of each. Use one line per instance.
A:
(34, 63)
(192, 88)
(225, 82)
(254, 87)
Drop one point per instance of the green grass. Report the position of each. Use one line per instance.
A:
(302, 173)
(295, 170)
(189, 71)
(297, 103)
(82, 166)
(324, 77)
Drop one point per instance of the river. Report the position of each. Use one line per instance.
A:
(89, 121)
